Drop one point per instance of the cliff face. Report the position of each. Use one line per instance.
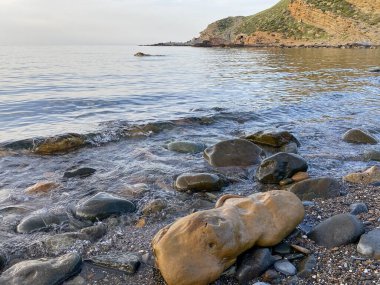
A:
(300, 22)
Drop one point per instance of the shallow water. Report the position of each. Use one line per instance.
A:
(203, 95)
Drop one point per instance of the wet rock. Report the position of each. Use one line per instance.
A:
(282, 248)
(208, 242)
(252, 264)
(271, 276)
(376, 69)
(300, 176)
(289, 148)
(358, 208)
(338, 230)
(300, 249)
(359, 136)
(314, 188)
(103, 205)
(136, 190)
(238, 152)
(369, 244)
(154, 206)
(95, 232)
(280, 166)
(306, 266)
(81, 172)
(128, 262)
(41, 187)
(3, 260)
(78, 280)
(186, 147)
(63, 242)
(42, 271)
(40, 221)
(286, 181)
(60, 144)
(197, 182)
(293, 256)
(274, 139)
(141, 54)
(285, 267)
(372, 155)
(371, 175)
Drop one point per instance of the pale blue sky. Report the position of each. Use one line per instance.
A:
(114, 21)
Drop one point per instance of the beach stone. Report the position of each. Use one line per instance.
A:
(314, 188)
(273, 139)
(372, 155)
(63, 242)
(78, 280)
(285, 267)
(252, 264)
(282, 248)
(197, 182)
(42, 271)
(286, 181)
(81, 172)
(359, 136)
(338, 230)
(127, 262)
(358, 208)
(369, 244)
(60, 144)
(300, 176)
(280, 166)
(306, 266)
(208, 242)
(271, 276)
(95, 232)
(293, 256)
(371, 175)
(41, 187)
(237, 152)
(39, 221)
(186, 147)
(154, 206)
(103, 205)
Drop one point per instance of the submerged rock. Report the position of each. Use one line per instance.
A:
(41, 187)
(369, 244)
(141, 54)
(336, 231)
(128, 262)
(81, 172)
(60, 144)
(280, 166)
(208, 242)
(273, 139)
(371, 175)
(103, 205)
(39, 221)
(359, 136)
(197, 182)
(237, 152)
(42, 271)
(314, 188)
(186, 147)
(300, 176)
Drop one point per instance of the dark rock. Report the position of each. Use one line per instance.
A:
(280, 166)
(376, 69)
(39, 221)
(314, 188)
(252, 264)
(95, 232)
(338, 230)
(199, 182)
(359, 136)
(103, 205)
(372, 155)
(42, 271)
(274, 139)
(286, 181)
(3, 260)
(186, 147)
(81, 172)
(358, 208)
(127, 262)
(238, 152)
(369, 244)
(141, 54)
(285, 267)
(282, 248)
(306, 266)
(271, 276)
(154, 206)
(293, 256)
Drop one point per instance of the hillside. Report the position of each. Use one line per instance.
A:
(300, 22)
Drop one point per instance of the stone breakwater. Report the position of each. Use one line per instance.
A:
(285, 236)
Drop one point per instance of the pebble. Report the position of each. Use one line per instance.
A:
(310, 189)
(358, 208)
(369, 244)
(271, 276)
(300, 176)
(301, 249)
(285, 267)
(286, 181)
(282, 248)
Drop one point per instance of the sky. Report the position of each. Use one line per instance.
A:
(114, 21)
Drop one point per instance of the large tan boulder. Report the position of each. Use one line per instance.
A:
(196, 249)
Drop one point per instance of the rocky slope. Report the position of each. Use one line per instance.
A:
(300, 22)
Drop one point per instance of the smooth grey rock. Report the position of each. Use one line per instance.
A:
(81, 172)
(338, 230)
(285, 267)
(314, 188)
(197, 182)
(358, 208)
(42, 271)
(40, 221)
(306, 266)
(186, 147)
(280, 166)
(103, 205)
(372, 155)
(237, 152)
(369, 244)
(128, 262)
(252, 264)
(359, 136)
(274, 139)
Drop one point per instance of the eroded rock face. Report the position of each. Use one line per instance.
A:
(275, 139)
(197, 182)
(359, 136)
(238, 152)
(371, 175)
(196, 249)
(42, 271)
